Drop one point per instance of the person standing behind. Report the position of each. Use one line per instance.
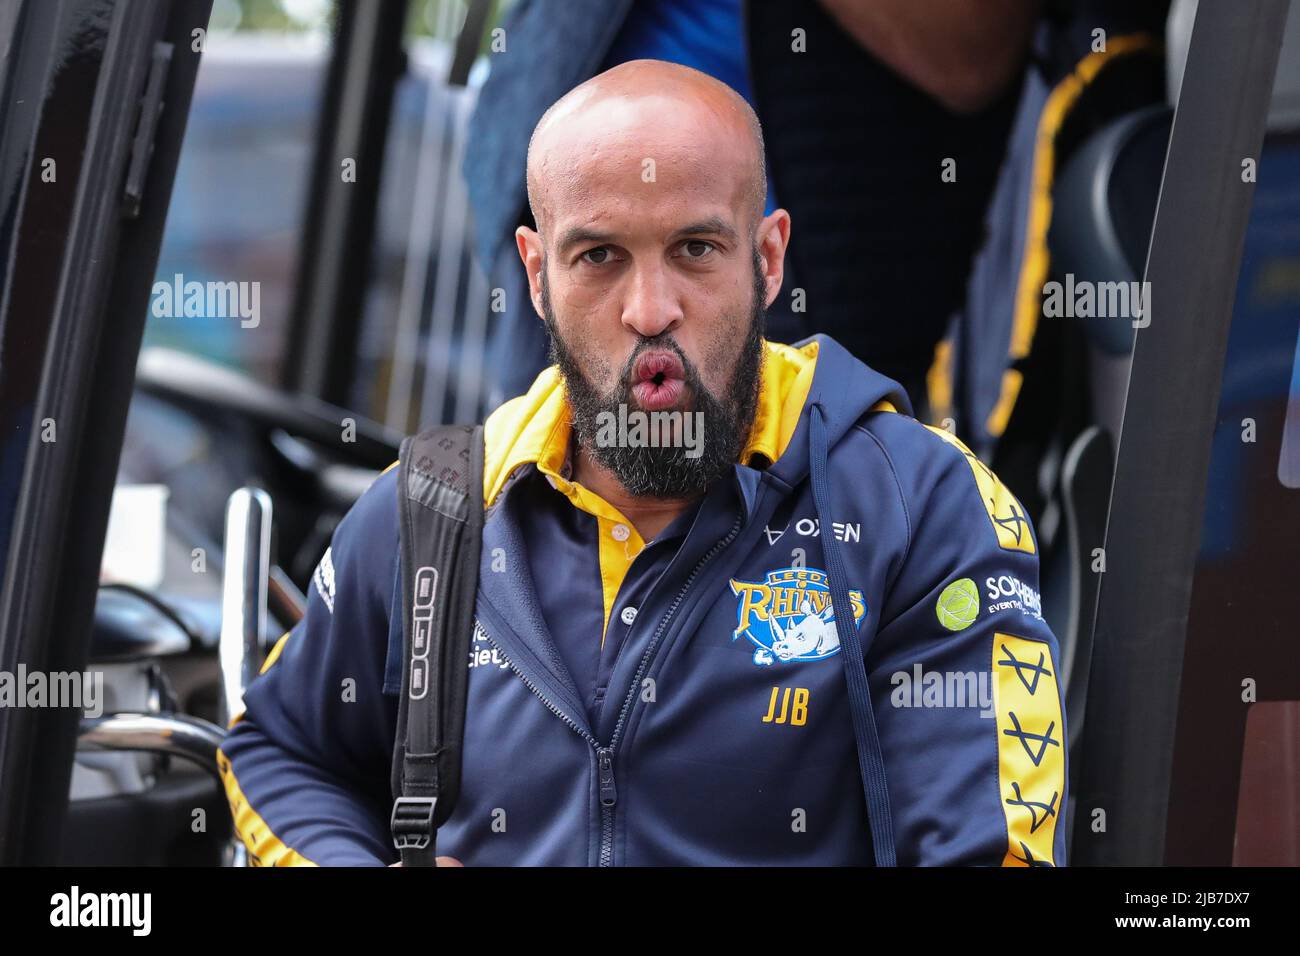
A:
(862, 102)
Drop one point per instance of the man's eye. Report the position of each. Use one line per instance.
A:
(697, 248)
(597, 257)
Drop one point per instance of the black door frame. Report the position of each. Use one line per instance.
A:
(1158, 495)
(77, 269)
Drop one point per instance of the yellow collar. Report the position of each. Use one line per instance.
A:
(534, 428)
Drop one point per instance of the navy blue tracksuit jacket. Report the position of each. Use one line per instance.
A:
(702, 669)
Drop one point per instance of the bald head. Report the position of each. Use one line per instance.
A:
(653, 263)
(664, 122)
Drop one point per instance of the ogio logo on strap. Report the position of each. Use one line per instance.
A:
(426, 594)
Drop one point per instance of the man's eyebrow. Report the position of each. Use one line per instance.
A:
(713, 226)
(581, 235)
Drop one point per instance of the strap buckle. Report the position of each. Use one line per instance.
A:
(412, 822)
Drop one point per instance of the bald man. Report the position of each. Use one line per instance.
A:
(735, 606)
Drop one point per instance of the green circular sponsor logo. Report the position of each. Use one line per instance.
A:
(958, 605)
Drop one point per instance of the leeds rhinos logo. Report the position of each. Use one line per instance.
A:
(788, 616)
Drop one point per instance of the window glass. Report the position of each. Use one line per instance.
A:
(226, 269)
(222, 292)
(425, 325)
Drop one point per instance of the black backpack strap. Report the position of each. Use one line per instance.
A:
(440, 508)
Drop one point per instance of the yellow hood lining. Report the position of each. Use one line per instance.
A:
(535, 427)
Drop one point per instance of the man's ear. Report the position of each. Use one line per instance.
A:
(773, 238)
(530, 251)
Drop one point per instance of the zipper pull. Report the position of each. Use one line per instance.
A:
(608, 792)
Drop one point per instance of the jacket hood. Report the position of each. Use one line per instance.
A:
(846, 389)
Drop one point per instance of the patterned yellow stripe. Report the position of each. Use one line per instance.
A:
(1005, 514)
(264, 847)
(1031, 747)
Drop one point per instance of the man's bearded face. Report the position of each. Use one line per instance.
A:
(658, 377)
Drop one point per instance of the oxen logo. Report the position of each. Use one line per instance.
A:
(788, 616)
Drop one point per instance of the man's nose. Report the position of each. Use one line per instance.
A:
(651, 305)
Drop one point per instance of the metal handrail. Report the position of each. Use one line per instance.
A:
(244, 593)
(178, 735)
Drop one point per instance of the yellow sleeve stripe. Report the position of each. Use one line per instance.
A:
(1034, 263)
(939, 381)
(275, 653)
(270, 659)
(1033, 272)
(996, 423)
(1005, 514)
(264, 847)
(1031, 748)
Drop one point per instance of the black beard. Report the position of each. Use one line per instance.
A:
(667, 472)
